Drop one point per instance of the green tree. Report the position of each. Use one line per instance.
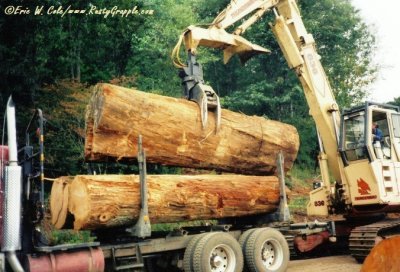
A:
(153, 42)
(396, 101)
(37, 52)
(346, 45)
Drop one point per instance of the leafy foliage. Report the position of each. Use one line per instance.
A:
(396, 101)
(153, 42)
(65, 104)
(346, 46)
(70, 237)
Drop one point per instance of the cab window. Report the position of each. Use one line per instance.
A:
(354, 137)
(396, 129)
(380, 120)
(396, 125)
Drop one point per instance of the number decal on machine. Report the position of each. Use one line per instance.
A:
(319, 203)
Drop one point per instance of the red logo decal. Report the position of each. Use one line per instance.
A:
(363, 187)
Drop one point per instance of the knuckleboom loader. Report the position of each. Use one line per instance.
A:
(365, 170)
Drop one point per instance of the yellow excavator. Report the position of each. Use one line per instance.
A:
(359, 147)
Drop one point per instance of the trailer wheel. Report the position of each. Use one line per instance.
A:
(242, 242)
(217, 252)
(266, 250)
(188, 256)
(244, 237)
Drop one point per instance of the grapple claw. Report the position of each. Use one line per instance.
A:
(194, 89)
(207, 100)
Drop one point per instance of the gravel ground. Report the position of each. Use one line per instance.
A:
(341, 263)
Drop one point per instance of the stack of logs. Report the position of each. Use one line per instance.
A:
(173, 135)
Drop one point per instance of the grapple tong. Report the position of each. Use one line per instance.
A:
(196, 90)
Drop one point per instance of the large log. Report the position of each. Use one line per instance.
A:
(384, 256)
(103, 201)
(173, 135)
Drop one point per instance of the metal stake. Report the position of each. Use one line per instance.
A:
(142, 228)
(284, 213)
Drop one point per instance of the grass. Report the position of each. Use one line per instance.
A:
(71, 237)
(303, 177)
(300, 182)
(53, 236)
(298, 204)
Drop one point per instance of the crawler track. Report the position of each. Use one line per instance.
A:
(363, 239)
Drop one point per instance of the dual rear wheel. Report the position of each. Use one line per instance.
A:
(213, 252)
(258, 250)
(265, 250)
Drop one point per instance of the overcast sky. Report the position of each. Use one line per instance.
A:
(385, 18)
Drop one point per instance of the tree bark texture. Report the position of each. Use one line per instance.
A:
(173, 135)
(103, 201)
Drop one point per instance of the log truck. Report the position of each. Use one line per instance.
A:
(265, 239)
(365, 173)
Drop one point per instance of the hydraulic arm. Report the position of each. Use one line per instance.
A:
(298, 47)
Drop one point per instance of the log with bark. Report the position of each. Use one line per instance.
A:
(103, 201)
(173, 135)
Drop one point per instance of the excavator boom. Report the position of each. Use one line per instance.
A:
(298, 47)
(364, 170)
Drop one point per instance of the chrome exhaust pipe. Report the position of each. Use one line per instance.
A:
(12, 133)
(12, 194)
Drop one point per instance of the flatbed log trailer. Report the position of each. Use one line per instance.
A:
(262, 241)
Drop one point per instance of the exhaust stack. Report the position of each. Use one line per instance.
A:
(12, 194)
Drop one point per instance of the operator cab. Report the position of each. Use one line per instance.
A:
(358, 137)
(371, 158)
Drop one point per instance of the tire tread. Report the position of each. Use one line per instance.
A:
(251, 247)
(189, 251)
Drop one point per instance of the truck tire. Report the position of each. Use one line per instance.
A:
(244, 237)
(217, 252)
(242, 242)
(266, 250)
(188, 255)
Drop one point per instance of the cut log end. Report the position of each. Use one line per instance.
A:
(78, 203)
(59, 201)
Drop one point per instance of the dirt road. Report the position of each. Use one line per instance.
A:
(325, 264)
